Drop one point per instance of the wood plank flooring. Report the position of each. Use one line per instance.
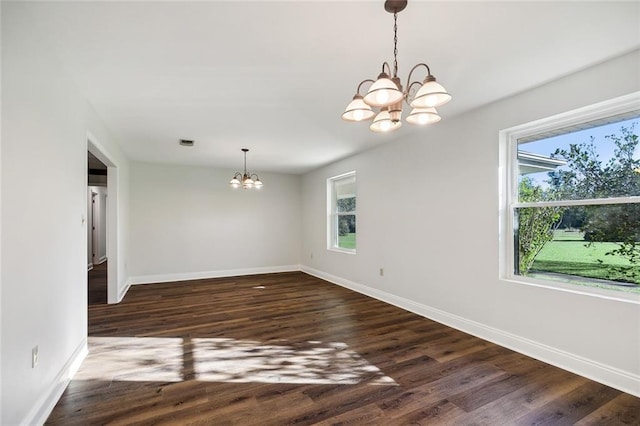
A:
(97, 282)
(288, 348)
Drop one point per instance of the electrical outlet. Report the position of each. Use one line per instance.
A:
(34, 356)
(382, 272)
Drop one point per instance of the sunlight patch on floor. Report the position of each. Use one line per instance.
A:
(133, 359)
(243, 361)
(228, 360)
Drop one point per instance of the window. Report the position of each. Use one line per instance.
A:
(571, 205)
(341, 202)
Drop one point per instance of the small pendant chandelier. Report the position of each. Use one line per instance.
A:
(246, 179)
(387, 94)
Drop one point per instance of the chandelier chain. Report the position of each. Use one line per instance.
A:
(395, 44)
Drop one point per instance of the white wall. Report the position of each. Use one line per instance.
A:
(428, 214)
(186, 222)
(44, 300)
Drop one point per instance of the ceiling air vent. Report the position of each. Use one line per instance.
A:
(185, 142)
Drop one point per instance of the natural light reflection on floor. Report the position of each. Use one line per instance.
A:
(230, 360)
(225, 360)
(133, 359)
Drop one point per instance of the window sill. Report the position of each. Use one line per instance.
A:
(575, 288)
(341, 250)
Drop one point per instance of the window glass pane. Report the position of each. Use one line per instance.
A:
(599, 162)
(347, 204)
(590, 245)
(347, 231)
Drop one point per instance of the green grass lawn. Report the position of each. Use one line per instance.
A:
(569, 254)
(347, 241)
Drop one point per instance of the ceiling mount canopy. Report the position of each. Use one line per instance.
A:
(386, 92)
(248, 180)
(395, 6)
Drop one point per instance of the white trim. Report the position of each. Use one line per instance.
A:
(332, 214)
(45, 405)
(102, 260)
(610, 107)
(569, 287)
(623, 380)
(187, 276)
(113, 233)
(342, 250)
(89, 266)
(585, 202)
(123, 291)
(343, 175)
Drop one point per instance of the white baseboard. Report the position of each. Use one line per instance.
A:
(89, 266)
(102, 260)
(43, 408)
(123, 291)
(605, 374)
(149, 279)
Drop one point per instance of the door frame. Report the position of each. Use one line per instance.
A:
(113, 269)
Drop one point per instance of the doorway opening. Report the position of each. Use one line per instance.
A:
(106, 186)
(97, 264)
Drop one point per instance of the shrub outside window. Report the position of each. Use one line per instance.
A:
(571, 211)
(341, 201)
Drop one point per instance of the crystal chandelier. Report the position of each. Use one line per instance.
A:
(387, 94)
(246, 179)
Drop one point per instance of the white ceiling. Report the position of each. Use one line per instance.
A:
(275, 76)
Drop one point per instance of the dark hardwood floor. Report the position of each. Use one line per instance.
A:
(292, 349)
(97, 281)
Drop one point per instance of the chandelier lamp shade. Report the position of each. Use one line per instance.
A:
(386, 93)
(245, 179)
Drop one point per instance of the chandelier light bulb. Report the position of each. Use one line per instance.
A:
(383, 122)
(383, 92)
(432, 94)
(357, 110)
(423, 116)
(382, 97)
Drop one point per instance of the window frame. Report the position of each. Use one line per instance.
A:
(333, 214)
(508, 189)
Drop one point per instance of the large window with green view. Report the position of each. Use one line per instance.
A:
(341, 200)
(573, 198)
